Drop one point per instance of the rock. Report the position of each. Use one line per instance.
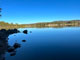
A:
(25, 31)
(16, 45)
(11, 49)
(4, 46)
(23, 40)
(2, 30)
(1, 46)
(11, 31)
(15, 30)
(13, 53)
(14, 35)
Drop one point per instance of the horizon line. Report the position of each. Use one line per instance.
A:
(41, 22)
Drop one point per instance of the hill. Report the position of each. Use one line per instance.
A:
(55, 24)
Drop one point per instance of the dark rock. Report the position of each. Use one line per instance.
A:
(23, 40)
(13, 54)
(11, 31)
(25, 31)
(4, 46)
(1, 46)
(2, 30)
(17, 45)
(8, 46)
(15, 30)
(11, 49)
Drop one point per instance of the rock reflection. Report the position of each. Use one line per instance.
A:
(4, 46)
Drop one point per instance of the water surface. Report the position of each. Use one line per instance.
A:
(47, 44)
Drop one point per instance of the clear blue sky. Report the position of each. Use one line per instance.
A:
(31, 11)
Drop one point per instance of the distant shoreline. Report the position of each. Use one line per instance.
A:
(54, 24)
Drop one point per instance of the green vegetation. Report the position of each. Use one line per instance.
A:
(55, 24)
(4, 25)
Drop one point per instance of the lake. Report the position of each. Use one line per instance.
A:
(46, 44)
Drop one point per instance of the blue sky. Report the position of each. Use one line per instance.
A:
(32, 11)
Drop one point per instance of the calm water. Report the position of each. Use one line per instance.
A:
(47, 44)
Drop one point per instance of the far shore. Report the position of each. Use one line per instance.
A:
(55, 24)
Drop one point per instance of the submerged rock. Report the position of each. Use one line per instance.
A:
(30, 31)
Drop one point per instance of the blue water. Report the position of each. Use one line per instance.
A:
(47, 44)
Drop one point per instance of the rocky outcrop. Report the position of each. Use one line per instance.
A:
(4, 47)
